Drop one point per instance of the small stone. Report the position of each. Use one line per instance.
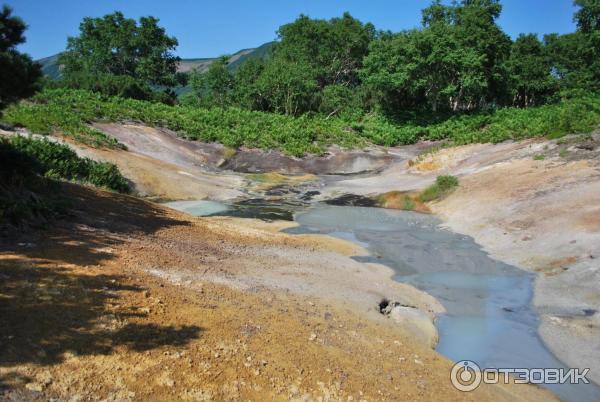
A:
(312, 337)
(35, 387)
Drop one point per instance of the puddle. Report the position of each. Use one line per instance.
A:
(489, 317)
(251, 208)
(198, 208)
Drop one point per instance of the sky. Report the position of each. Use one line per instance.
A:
(213, 28)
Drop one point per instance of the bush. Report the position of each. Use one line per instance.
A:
(70, 112)
(27, 192)
(443, 186)
(54, 160)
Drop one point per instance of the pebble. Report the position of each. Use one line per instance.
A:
(313, 336)
(35, 387)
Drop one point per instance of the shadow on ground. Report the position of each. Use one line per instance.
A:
(49, 310)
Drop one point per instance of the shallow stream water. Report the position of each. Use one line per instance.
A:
(489, 320)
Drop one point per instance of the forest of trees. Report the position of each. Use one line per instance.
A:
(459, 60)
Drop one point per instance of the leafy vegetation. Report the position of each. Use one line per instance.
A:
(339, 81)
(459, 60)
(115, 55)
(443, 186)
(58, 161)
(19, 73)
(29, 192)
(70, 112)
(18, 201)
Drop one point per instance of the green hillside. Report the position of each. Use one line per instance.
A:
(50, 67)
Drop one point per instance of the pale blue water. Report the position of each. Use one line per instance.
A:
(489, 319)
(199, 208)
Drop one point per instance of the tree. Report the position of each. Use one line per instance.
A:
(477, 31)
(333, 49)
(289, 88)
(575, 57)
(117, 46)
(454, 62)
(20, 75)
(587, 17)
(530, 78)
(213, 87)
(247, 92)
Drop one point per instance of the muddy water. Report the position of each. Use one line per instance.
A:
(489, 317)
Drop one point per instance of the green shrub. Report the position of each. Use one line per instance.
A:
(54, 160)
(71, 111)
(408, 204)
(28, 190)
(443, 186)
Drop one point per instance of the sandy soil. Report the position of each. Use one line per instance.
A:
(91, 310)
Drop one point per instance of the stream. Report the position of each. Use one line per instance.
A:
(490, 319)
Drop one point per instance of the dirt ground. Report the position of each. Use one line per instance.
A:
(81, 318)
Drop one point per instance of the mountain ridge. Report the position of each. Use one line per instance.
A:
(52, 69)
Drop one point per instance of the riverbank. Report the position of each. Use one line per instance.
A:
(532, 204)
(99, 307)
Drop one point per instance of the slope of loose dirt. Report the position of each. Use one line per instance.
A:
(81, 318)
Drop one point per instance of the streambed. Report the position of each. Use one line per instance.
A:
(490, 319)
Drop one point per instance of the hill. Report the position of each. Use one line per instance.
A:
(51, 68)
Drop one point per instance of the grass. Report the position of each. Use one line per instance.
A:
(70, 112)
(408, 204)
(406, 201)
(539, 157)
(443, 186)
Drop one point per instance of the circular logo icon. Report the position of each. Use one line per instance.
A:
(465, 376)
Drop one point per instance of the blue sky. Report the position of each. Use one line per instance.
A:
(211, 28)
